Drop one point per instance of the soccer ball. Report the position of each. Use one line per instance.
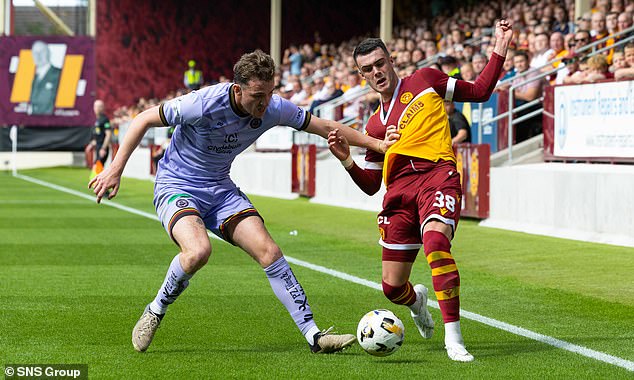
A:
(380, 332)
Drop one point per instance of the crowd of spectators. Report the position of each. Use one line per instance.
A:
(459, 44)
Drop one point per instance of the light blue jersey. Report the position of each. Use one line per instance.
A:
(211, 131)
(193, 175)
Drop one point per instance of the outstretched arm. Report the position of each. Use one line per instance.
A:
(483, 87)
(110, 178)
(323, 127)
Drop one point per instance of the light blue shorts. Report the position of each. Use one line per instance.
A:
(216, 205)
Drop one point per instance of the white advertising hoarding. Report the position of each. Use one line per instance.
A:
(594, 120)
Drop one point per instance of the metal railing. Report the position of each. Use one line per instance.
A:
(590, 48)
(326, 110)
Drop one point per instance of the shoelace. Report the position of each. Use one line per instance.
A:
(328, 331)
(149, 325)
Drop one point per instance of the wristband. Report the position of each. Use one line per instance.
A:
(348, 162)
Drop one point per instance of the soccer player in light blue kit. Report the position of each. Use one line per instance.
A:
(193, 191)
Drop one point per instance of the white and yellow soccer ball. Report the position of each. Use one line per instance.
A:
(380, 332)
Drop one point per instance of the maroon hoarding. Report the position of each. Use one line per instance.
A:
(47, 81)
(473, 163)
(303, 169)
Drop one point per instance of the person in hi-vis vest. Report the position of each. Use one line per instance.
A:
(193, 78)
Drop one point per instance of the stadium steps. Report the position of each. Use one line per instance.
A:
(527, 152)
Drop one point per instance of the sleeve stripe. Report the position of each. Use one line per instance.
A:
(307, 118)
(162, 115)
(373, 165)
(451, 85)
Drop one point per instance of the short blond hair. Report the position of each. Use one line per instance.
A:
(598, 62)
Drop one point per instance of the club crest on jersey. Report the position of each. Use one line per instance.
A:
(255, 123)
(406, 97)
(410, 112)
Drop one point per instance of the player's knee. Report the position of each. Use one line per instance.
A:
(434, 240)
(268, 254)
(393, 292)
(197, 256)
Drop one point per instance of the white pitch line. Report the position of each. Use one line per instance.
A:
(584, 351)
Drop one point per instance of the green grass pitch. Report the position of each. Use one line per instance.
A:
(75, 276)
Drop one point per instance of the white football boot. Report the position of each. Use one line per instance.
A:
(458, 353)
(144, 330)
(327, 342)
(422, 318)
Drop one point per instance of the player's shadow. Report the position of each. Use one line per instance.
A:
(207, 350)
(512, 347)
(509, 348)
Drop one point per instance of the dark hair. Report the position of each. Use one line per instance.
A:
(367, 46)
(447, 60)
(587, 33)
(256, 65)
(521, 53)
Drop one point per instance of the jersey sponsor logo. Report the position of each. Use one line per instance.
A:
(224, 149)
(182, 203)
(255, 123)
(382, 233)
(406, 97)
(412, 110)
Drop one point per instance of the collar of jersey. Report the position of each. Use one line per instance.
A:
(234, 105)
(394, 96)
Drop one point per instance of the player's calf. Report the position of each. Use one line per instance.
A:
(414, 297)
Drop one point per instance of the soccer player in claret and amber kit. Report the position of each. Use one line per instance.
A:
(422, 203)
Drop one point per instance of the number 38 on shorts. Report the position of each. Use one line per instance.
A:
(445, 202)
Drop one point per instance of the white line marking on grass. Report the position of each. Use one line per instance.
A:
(584, 351)
(485, 320)
(86, 196)
(37, 202)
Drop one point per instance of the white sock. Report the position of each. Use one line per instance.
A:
(310, 335)
(453, 336)
(291, 294)
(176, 280)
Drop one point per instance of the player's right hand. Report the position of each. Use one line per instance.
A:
(338, 145)
(104, 182)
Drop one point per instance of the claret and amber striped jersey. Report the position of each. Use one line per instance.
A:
(417, 109)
